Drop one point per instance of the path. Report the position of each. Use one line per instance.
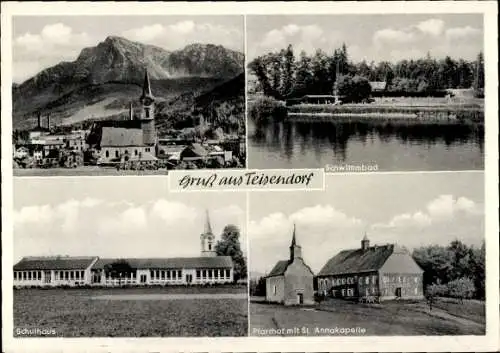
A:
(171, 296)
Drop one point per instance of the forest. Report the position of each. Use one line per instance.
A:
(282, 75)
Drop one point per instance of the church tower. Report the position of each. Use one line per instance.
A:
(295, 249)
(148, 118)
(207, 239)
(365, 243)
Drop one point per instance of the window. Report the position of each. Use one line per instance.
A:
(82, 274)
(367, 291)
(116, 154)
(404, 279)
(147, 149)
(360, 280)
(25, 276)
(39, 275)
(29, 276)
(135, 152)
(151, 273)
(174, 275)
(72, 275)
(210, 246)
(343, 292)
(168, 274)
(77, 275)
(228, 274)
(209, 274)
(216, 274)
(15, 276)
(147, 113)
(107, 154)
(416, 279)
(274, 289)
(198, 273)
(374, 279)
(179, 274)
(399, 278)
(386, 279)
(367, 280)
(162, 274)
(204, 273)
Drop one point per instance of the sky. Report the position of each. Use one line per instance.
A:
(410, 209)
(369, 37)
(43, 41)
(117, 217)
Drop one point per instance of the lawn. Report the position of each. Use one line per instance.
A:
(76, 313)
(84, 171)
(390, 318)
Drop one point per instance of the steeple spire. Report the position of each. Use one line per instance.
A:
(146, 87)
(295, 249)
(208, 227)
(294, 241)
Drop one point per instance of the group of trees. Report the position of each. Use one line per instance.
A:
(456, 270)
(282, 75)
(228, 245)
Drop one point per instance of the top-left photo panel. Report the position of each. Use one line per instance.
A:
(127, 95)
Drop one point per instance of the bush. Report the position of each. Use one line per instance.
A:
(461, 288)
(265, 109)
(354, 89)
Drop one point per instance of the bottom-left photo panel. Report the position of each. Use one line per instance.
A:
(123, 257)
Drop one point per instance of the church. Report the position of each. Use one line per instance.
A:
(380, 271)
(290, 282)
(207, 268)
(127, 140)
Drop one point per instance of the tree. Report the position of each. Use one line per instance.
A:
(289, 71)
(354, 89)
(462, 288)
(479, 75)
(118, 270)
(434, 291)
(229, 245)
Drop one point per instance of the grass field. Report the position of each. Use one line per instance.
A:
(77, 312)
(389, 318)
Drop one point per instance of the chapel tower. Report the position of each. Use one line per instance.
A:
(295, 249)
(207, 239)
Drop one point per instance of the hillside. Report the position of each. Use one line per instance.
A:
(112, 72)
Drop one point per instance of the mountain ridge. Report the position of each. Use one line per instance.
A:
(117, 60)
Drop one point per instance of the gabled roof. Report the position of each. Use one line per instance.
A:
(195, 150)
(119, 136)
(279, 269)
(54, 263)
(172, 263)
(357, 260)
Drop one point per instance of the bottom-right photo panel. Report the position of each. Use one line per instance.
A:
(372, 254)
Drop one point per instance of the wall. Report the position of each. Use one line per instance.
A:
(298, 279)
(411, 285)
(113, 152)
(277, 282)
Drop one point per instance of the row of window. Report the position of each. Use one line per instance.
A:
(323, 283)
(399, 279)
(27, 275)
(166, 274)
(136, 152)
(58, 275)
(177, 274)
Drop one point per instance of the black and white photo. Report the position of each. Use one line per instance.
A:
(103, 95)
(366, 93)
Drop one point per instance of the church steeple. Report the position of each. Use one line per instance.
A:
(365, 243)
(207, 239)
(295, 249)
(146, 88)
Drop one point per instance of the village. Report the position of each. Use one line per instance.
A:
(131, 143)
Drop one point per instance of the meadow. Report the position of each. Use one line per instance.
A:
(84, 171)
(82, 313)
(389, 318)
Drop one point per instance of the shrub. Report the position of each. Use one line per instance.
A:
(461, 288)
(265, 109)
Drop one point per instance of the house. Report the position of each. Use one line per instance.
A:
(290, 282)
(378, 86)
(53, 271)
(207, 268)
(318, 99)
(194, 152)
(116, 140)
(382, 271)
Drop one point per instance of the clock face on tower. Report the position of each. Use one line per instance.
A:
(147, 101)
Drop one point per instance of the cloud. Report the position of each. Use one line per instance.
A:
(55, 43)
(462, 33)
(392, 36)
(432, 26)
(182, 33)
(305, 37)
(162, 228)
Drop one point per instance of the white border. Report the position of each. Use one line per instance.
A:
(490, 342)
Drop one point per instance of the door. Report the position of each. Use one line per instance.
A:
(189, 278)
(300, 298)
(47, 276)
(398, 292)
(144, 279)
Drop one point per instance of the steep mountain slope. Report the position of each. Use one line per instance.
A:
(115, 69)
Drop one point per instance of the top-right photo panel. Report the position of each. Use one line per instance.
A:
(366, 93)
